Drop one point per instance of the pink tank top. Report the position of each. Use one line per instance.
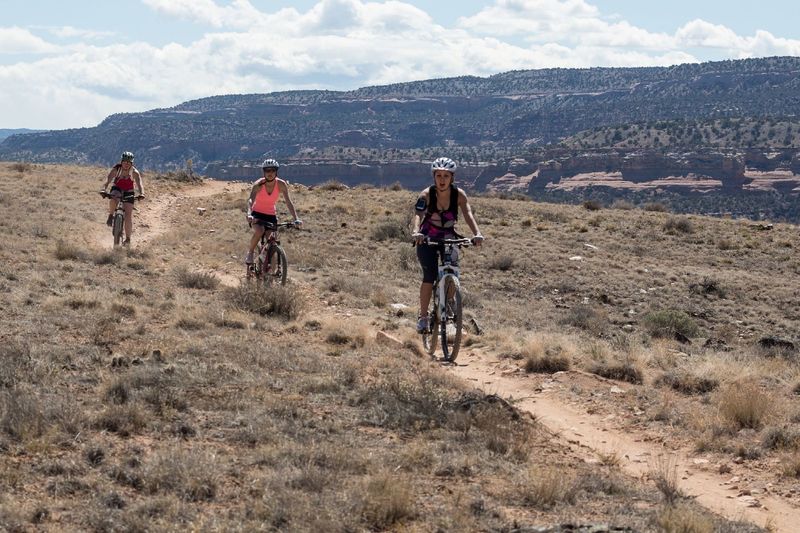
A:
(265, 202)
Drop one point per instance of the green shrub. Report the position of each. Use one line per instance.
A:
(669, 322)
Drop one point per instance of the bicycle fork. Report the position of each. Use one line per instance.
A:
(442, 295)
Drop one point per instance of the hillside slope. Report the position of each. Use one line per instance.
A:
(146, 389)
(513, 109)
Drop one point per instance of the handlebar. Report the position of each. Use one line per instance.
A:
(272, 227)
(463, 242)
(105, 194)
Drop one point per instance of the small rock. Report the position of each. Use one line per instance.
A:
(201, 210)
(576, 258)
(590, 246)
(617, 390)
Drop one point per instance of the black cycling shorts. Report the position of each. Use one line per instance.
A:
(127, 196)
(264, 220)
(429, 261)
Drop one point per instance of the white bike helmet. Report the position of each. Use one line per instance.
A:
(270, 163)
(443, 163)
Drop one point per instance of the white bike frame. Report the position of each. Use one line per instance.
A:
(445, 271)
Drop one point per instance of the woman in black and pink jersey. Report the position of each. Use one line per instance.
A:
(126, 179)
(436, 216)
(261, 205)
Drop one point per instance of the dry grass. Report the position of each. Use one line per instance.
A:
(744, 405)
(152, 405)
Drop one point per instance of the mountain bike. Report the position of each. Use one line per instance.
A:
(446, 318)
(118, 220)
(270, 265)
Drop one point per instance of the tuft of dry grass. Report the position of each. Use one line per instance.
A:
(196, 280)
(744, 405)
(683, 519)
(279, 301)
(626, 371)
(675, 225)
(544, 487)
(593, 320)
(386, 501)
(664, 473)
(687, 382)
(67, 250)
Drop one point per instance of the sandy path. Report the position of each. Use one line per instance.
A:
(591, 436)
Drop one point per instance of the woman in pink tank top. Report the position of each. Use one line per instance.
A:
(261, 205)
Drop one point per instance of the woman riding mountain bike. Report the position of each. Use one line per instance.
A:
(261, 205)
(126, 179)
(436, 215)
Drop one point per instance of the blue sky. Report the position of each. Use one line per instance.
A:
(71, 63)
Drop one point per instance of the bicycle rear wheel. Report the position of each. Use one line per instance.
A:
(116, 228)
(452, 319)
(276, 267)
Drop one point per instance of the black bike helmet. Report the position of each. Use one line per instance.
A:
(127, 156)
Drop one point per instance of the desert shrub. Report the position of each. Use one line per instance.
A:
(180, 176)
(664, 473)
(622, 204)
(687, 383)
(107, 257)
(726, 244)
(592, 205)
(407, 258)
(191, 476)
(683, 519)
(15, 363)
(386, 500)
(396, 186)
(542, 488)
(551, 216)
(546, 364)
(744, 405)
(791, 466)
(124, 420)
(405, 404)
(196, 280)
(21, 167)
(332, 185)
(625, 371)
(590, 319)
(279, 301)
(656, 207)
(709, 285)
(68, 250)
(781, 438)
(675, 225)
(668, 322)
(22, 415)
(390, 230)
(501, 262)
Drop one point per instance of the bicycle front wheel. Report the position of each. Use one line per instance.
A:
(116, 228)
(277, 267)
(429, 337)
(452, 319)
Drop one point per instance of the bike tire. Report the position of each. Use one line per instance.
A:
(429, 337)
(116, 228)
(277, 266)
(453, 316)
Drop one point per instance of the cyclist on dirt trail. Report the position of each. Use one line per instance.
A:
(436, 215)
(261, 205)
(126, 179)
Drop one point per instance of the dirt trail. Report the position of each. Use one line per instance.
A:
(591, 435)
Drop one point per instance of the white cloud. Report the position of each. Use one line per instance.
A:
(71, 32)
(337, 44)
(239, 14)
(16, 40)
